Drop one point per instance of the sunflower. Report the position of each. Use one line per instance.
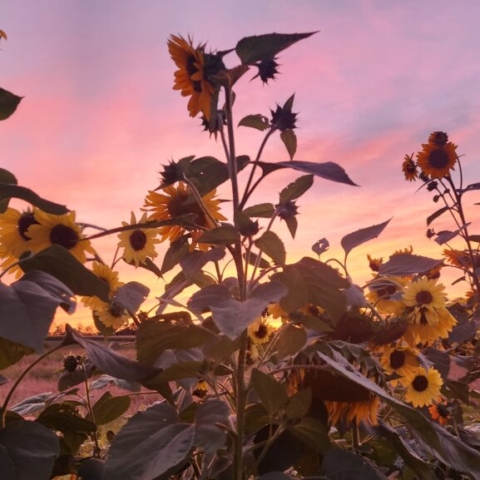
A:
(193, 77)
(13, 231)
(426, 333)
(423, 387)
(176, 201)
(138, 244)
(112, 315)
(260, 331)
(409, 168)
(440, 412)
(400, 360)
(461, 258)
(110, 277)
(384, 294)
(58, 230)
(354, 412)
(425, 298)
(374, 263)
(437, 161)
(201, 389)
(438, 139)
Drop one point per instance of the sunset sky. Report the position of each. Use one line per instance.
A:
(100, 117)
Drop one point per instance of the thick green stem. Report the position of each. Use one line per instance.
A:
(232, 162)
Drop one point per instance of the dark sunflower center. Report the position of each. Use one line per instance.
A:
(25, 220)
(138, 240)
(386, 292)
(116, 310)
(420, 384)
(182, 204)
(438, 158)
(397, 359)
(443, 410)
(191, 70)
(262, 332)
(424, 297)
(64, 235)
(411, 168)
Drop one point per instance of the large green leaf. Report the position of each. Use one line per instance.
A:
(27, 451)
(8, 103)
(131, 295)
(153, 338)
(403, 264)
(108, 408)
(223, 235)
(272, 394)
(354, 239)
(291, 339)
(193, 262)
(263, 210)
(12, 352)
(271, 244)
(175, 252)
(64, 418)
(8, 191)
(27, 308)
(296, 189)
(327, 170)
(61, 264)
(264, 47)
(340, 464)
(258, 121)
(107, 360)
(312, 281)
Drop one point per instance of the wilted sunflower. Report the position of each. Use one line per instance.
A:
(437, 161)
(194, 75)
(409, 168)
(13, 231)
(58, 230)
(426, 333)
(260, 331)
(424, 387)
(112, 315)
(374, 263)
(354, 412)
(400, 360)
(425, 298)
(440, 412)
(176, 201)
(138, 244)
(110, 277)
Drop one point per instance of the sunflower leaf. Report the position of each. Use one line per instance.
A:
(8, 190)
(354, 239)
(9, 178)
(264, 47)
(223, 235)
(263, 210)
(403, 264)
(436, 214)
(8, 103)
(272, 394)
(61, 264)
(131, 295)
(271, 244)
(258, 121)
(175, 252)
(291, 339)
(296, 189)
(289, 139)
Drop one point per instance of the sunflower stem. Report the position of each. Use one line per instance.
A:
(200, 201)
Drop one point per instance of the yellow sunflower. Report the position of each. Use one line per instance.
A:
(409, 168)
(427, 333)
(424, 387)
(112, 315)
(58, 230)
(400, 360)
(354, 412)
(201, 389)
(260, 331)
(461, 258)
(7, 262)
(13, 231)
(110, 277)
(384, 295)
(176, 201)
(425, 298)
(191, 78)
(437, 160)
(138, 244)
(440, 412)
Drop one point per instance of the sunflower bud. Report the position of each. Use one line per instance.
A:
(439, 139)
(267, 69)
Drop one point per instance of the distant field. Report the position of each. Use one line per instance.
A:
(44, 376)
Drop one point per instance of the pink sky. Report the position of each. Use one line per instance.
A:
(99, 116)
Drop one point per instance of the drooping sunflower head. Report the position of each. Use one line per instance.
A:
(176, 201)
(58, 230)
(374, 263)
(195, 77)
(437, 161)
(354, 412)
(110, 277)
(423, 387)
(439, 139)
(409, 168)
(138, 244)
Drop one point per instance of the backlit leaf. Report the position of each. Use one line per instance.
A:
(272, 394)
(224, 235)
(296, 189)
(354, 239)
(403, 264)
(263, 210)
(8, 103)
(271, 244)
(291, 339)
(289, 139)
(258, 121)
(8, 191)
(108, 408)
(6, 177)
(436, 214)
(130, 296)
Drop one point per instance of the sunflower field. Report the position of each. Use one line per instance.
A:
(267, 370)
